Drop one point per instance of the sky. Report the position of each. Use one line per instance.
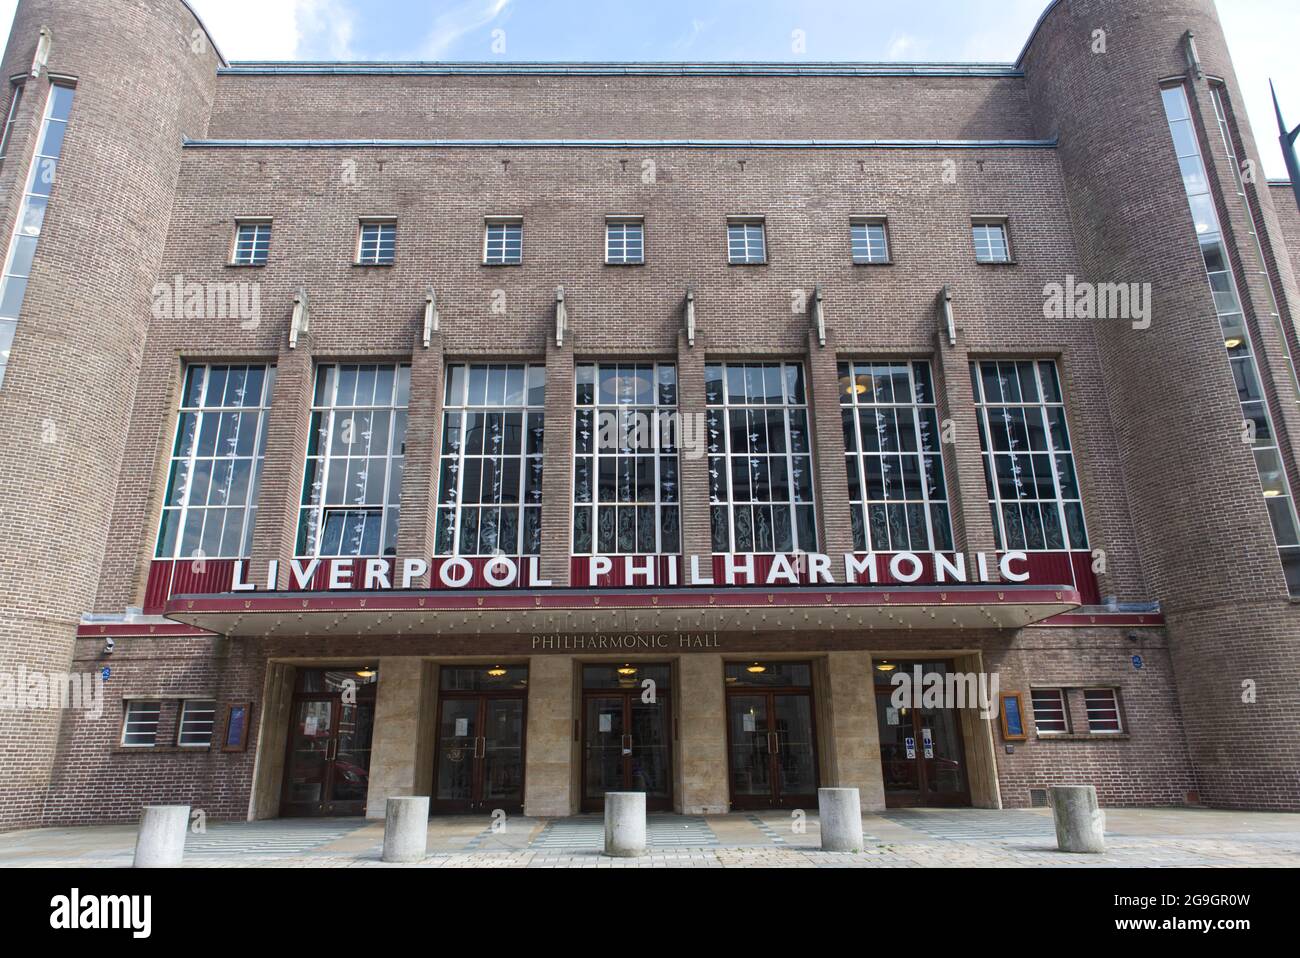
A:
(1262, 34)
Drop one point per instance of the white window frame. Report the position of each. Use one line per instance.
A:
(867, 241)
(748, 224)
(181, 467)
(1114, 707)
(189, 705)
(1063, 698)
(452, 456)
(623, 223)
(980, 225)
(381, 224)
(315, 513)
(983, 410)
(503, 222)
(720, 448)
(261, 225)
(131, 705)
(925, 432)
(591, 419)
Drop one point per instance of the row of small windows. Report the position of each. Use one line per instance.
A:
(1052, 711)
(625, 241)
(196, 719)
(627, 447)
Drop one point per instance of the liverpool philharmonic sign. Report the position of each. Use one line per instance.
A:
(503, 572)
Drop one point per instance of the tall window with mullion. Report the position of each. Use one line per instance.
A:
(216, 463)
(990, 239)
(746, 241)
(624, 242)
(625, 480)
(377, 245)
(503, 243)
(252, 242)
(894, 458)
(490, 474)
(760, 458)
(356, 453)
(1029, 468)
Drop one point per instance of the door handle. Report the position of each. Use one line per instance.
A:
(480, 746)
(333, 751)
(627, 741)
(772, 743)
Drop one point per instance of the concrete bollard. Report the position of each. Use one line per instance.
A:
(1080, 822)
(161, 840)
(625, 824)
(840, 813)
(406, 828)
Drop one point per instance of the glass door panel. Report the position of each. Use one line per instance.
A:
(796, 757)
(503, 752)
(604, 744)
(750, 746)
(943, 762)
(458, 733)
(901, 773)
(649, 761)
(313, 735)
(350, 776)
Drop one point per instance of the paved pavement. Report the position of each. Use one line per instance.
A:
(959, 838)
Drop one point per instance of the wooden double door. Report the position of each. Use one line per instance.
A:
(480, 752)
(327, 766)
(922, 753)
(627, 741)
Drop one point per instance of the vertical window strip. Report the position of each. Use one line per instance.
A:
(210, 503)
(626, 468)
(1275, 484)
(31, 215)
(761, 492)
(356, 454)
(15, 100)
(490, 470)
(1029, 469)
(1230, 151)
(894, 458)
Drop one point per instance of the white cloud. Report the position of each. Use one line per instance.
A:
(1261, 38)
(687, 40)
(902, 47)
(457, 22)
(279, 29)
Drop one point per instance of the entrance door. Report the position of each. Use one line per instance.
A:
(626, 734)
(480, 750)
(327, 768)
(771, 735)
(921, 749)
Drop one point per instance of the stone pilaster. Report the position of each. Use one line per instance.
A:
(701, 748)
(549, 779)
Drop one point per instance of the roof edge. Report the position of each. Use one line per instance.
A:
(615, 68)
(211, 39)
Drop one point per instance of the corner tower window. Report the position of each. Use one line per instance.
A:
(31, 215)
(1237, 337)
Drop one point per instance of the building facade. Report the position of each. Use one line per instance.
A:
(511, 434)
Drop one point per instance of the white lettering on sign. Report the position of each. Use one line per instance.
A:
(740, 569)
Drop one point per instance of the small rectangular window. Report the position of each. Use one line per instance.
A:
(746, 242)
(252, 242)
(991, 245)
(197, 719)
(870, 242)
(624, 241)
(1050, 715)
(140, 726)
(503, 243)
(377, 245)
(1103, 711)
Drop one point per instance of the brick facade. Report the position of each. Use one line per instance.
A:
(1071, 146)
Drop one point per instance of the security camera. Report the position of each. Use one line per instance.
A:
(1134, 636)
(109, 645)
